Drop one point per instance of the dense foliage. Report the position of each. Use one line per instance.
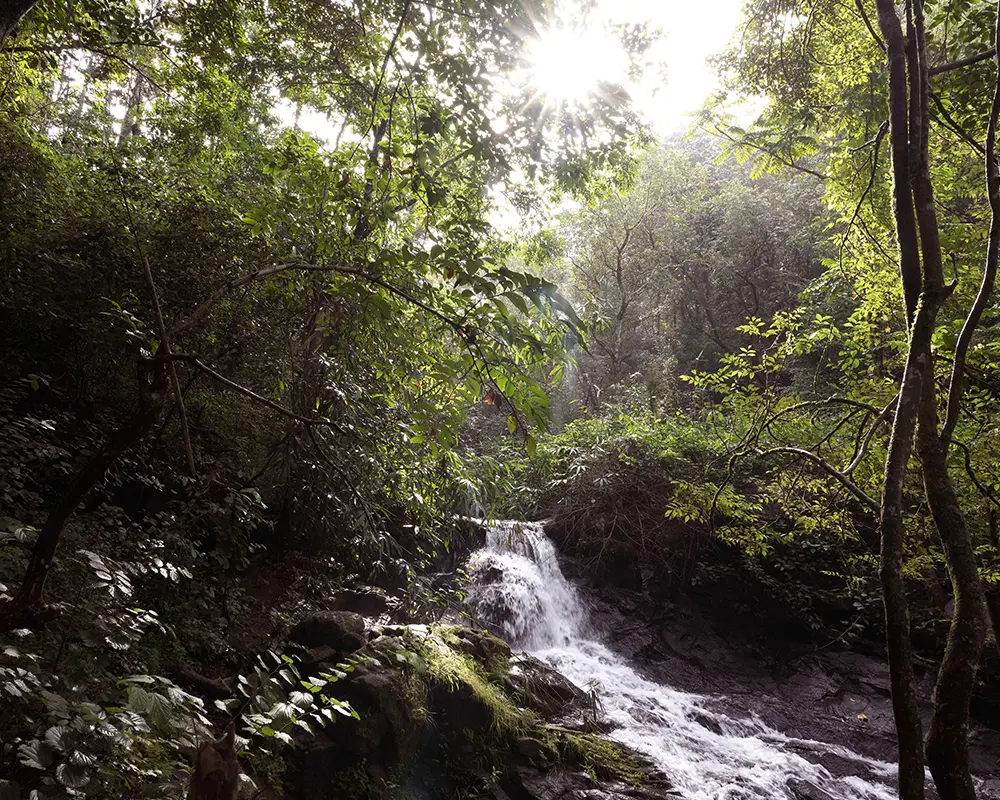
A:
(262, 336)
(252, 288)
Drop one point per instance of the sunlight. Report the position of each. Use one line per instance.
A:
(567, 65)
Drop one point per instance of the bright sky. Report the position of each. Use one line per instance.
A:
(569, 61)
(693, 31)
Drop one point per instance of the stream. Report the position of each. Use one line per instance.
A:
(518, 586)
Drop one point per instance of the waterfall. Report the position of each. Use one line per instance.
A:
(518, 587)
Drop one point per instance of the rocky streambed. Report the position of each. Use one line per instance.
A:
(608, 694)
(830, 703)
(449, 711)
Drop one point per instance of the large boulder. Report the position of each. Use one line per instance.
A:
(444, 707)
(365, 600)
(534, 684)
(484, 647)
(365, 751)
(342, 631)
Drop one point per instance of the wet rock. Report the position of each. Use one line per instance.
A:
(343, 631)
(482, 645)
(319, 659)
(535, 685)
(390, 725)
(557, 784)
(430, 724)
(390, 732)
(802, 790)
(461, 716)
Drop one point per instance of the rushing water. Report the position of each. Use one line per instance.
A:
(517, 585)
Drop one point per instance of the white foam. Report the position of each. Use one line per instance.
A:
(518, 585)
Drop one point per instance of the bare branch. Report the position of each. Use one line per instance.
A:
(984, 490)
(161, 329)
(190, 359)
(876, 145)
(199, 313)
(868, 24)
(951, 123)
(962, 62)
(844, 480)
(780, 158)
(863, 450)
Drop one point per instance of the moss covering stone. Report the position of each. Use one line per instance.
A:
(448, 702)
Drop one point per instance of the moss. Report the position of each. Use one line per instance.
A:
(266, 768)
(602, 758)
(490, 653)
(446, 665)
(458, 673)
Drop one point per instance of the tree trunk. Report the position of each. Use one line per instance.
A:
(216, 769)
(921, 311)
(993, 605)
(153, 385)
(947, 740)
(909, 729)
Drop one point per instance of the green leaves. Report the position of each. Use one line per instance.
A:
(275, 698)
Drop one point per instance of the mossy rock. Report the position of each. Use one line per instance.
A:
(447, 695)
(389, 732)
(482, 645)
(532, 783)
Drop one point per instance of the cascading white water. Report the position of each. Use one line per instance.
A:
(518, 586)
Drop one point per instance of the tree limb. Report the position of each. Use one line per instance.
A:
(955, 126)
(210, 302)
(868, 24)
(161, 330)
(962, 62)
(844, 480)
(863, 450)
(244, 390)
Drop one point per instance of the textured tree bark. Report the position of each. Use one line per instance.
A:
(216, 770)
(899, 140)
(947, 740)
(909, 729)
(921, 311)
(993, 605)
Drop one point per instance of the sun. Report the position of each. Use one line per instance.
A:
(567, 65)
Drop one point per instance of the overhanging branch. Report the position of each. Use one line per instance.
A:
(962, 62)
(867, 500)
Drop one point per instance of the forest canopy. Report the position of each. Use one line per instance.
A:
(293, 290)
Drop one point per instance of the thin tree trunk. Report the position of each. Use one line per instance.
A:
(993, 605)
(921, 312)
(906, 229)
(947, 740)
(992, 591)
(909, 729)
(153, 386)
